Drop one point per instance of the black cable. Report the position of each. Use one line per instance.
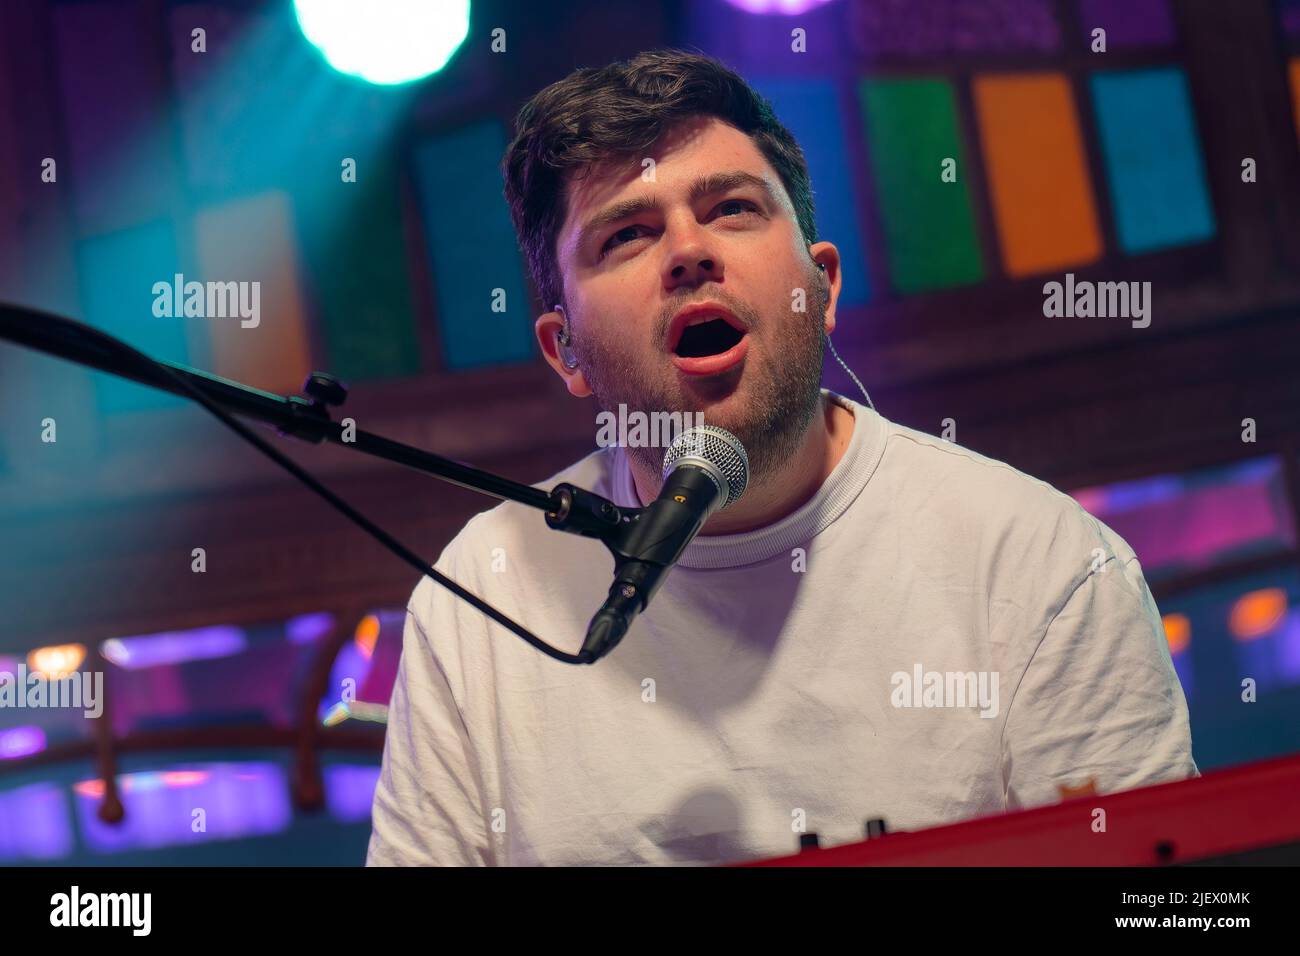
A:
(139, 358)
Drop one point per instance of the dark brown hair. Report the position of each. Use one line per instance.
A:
(616, 112)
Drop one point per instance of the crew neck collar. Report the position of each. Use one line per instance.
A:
(849, 476)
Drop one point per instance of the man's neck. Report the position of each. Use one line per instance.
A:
(784, 492)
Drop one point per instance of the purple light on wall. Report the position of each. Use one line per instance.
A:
(1195, 520)
(1128, 22)
(1290, 12)
(20, 742)
(1273, 659)
(391, 617)
(34, 823)
(113, 90)
(350, 791)
(751, 41)
(154, 650)
(308, 628)
(1288, 653)
(1128, 496)
(237, 800)
(777, 6)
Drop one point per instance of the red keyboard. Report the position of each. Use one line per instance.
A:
(1222, 814)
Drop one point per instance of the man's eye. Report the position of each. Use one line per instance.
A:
(624, 235)
(738, 205)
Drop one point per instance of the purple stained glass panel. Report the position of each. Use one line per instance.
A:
(1129, 22)
(936, 27)
(1289, 11)
(113, 93)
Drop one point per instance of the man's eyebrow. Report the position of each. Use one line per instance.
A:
(704, 186)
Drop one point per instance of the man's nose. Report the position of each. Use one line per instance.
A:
(693, 259)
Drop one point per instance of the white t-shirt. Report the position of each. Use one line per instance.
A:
(934, 636)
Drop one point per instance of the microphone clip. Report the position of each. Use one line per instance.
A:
(581, 512)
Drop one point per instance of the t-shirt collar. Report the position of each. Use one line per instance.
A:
(846, 481)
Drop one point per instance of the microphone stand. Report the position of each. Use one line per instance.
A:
(566, 507)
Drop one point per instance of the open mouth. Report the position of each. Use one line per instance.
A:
(708, 338)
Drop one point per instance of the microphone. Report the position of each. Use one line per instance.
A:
(705, 470)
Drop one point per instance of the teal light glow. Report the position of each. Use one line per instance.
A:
(385, 41)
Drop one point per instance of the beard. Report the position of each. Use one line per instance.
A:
(779, 395)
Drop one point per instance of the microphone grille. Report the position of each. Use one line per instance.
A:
(715, 448)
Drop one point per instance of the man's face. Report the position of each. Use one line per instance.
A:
(634, 253)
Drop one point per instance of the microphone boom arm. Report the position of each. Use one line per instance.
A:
(567, 507)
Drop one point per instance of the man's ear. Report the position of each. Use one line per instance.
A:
(826, 255)
(548, 328)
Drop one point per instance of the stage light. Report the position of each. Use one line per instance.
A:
(385, 42)
(184, 778)
(1257, 613)
(777, 6)
(367, 634)
(308, 628)
(174, 647)
(91, 789)
(56, 662)
(20, 742)
(1178, 632)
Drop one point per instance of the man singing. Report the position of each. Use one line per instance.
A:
(886, 625)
